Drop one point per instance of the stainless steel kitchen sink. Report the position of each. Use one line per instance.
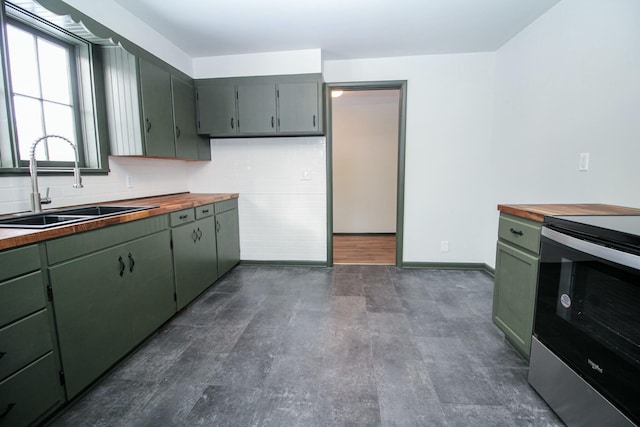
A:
(58, 217)
(101, 210)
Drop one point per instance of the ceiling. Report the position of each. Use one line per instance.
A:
(343, 29)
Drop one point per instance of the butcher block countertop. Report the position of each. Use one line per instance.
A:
(14, 237)
(537, 212)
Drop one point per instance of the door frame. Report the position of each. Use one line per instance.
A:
(400, 85)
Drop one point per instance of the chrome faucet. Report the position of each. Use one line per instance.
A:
(36, 200)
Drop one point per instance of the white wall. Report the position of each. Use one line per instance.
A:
(365, 161)
(148, 176)
(259, 64)
(449, 121)
(282, 215)
(569, 83)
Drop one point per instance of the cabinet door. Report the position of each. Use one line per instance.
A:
(298, 108)
(217, 110)
(257, 109)
(157, 110)
(92, 315)
(514, 295)
(228, 240)
(185, 260)
(149, 283)
(207, 251)
(184, 110)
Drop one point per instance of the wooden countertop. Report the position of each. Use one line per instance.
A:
(537, 212)
(14, 237)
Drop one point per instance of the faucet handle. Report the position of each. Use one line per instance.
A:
(46, 199)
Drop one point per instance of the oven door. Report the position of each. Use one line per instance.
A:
(588, 314)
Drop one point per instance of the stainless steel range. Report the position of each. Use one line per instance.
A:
(585, 355)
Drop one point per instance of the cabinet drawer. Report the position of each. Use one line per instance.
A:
(226, 205)
(16, 262)
(28, 394)
(204, 211)
(520, 232)
(182, 217)
(24, 341)
(21, 296)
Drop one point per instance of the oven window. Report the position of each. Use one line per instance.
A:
(603, 302)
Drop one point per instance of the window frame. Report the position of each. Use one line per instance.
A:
(88, 97)
(75, 98)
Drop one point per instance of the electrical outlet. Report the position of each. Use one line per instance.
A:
(306, 175)
(583, 165)
(129, 180)
(444, 246)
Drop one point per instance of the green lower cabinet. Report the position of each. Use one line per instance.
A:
(194, 257)
(29, 393)
(107, 302)
(228, 240)
(92, 315)
(150, 284)
(514, 295)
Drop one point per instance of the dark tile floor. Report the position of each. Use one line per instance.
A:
(347, 346)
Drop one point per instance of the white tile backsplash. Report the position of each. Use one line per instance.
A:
(150, 177)
(282, 216)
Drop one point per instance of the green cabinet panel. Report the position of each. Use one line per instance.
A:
(514, 295)
(195, 258)
(29, 393)
(182, 217)
(92, 315)
(106, 302)
(257, 109)
(298, 107)
(260, 106)
(204, 211)
(155, 84)
(207, 251)
(226, 205)
(150, 284)
(21, 296)
(24, 341)
(216, 105)
(189, 145)
(228, 240)
(16, 262)
(69, 247)
(520, 232)
(185, 254)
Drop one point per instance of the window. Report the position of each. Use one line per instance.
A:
(51, 87)
(43, 93)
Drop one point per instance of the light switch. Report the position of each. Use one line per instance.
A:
(584, 162)
(129, 180)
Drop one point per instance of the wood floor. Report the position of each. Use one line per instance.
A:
(377, 249)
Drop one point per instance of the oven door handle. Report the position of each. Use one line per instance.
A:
(593, 249)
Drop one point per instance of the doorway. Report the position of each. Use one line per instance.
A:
(365, 179)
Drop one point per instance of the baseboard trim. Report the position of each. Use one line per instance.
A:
(285, 263)
(450, 266)
(426, 265)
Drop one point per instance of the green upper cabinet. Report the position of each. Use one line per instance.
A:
(257, 109)
(298, 107)
(260, 106)
(217, 113)
(189, 145)
(157, 110)
(150, 109)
